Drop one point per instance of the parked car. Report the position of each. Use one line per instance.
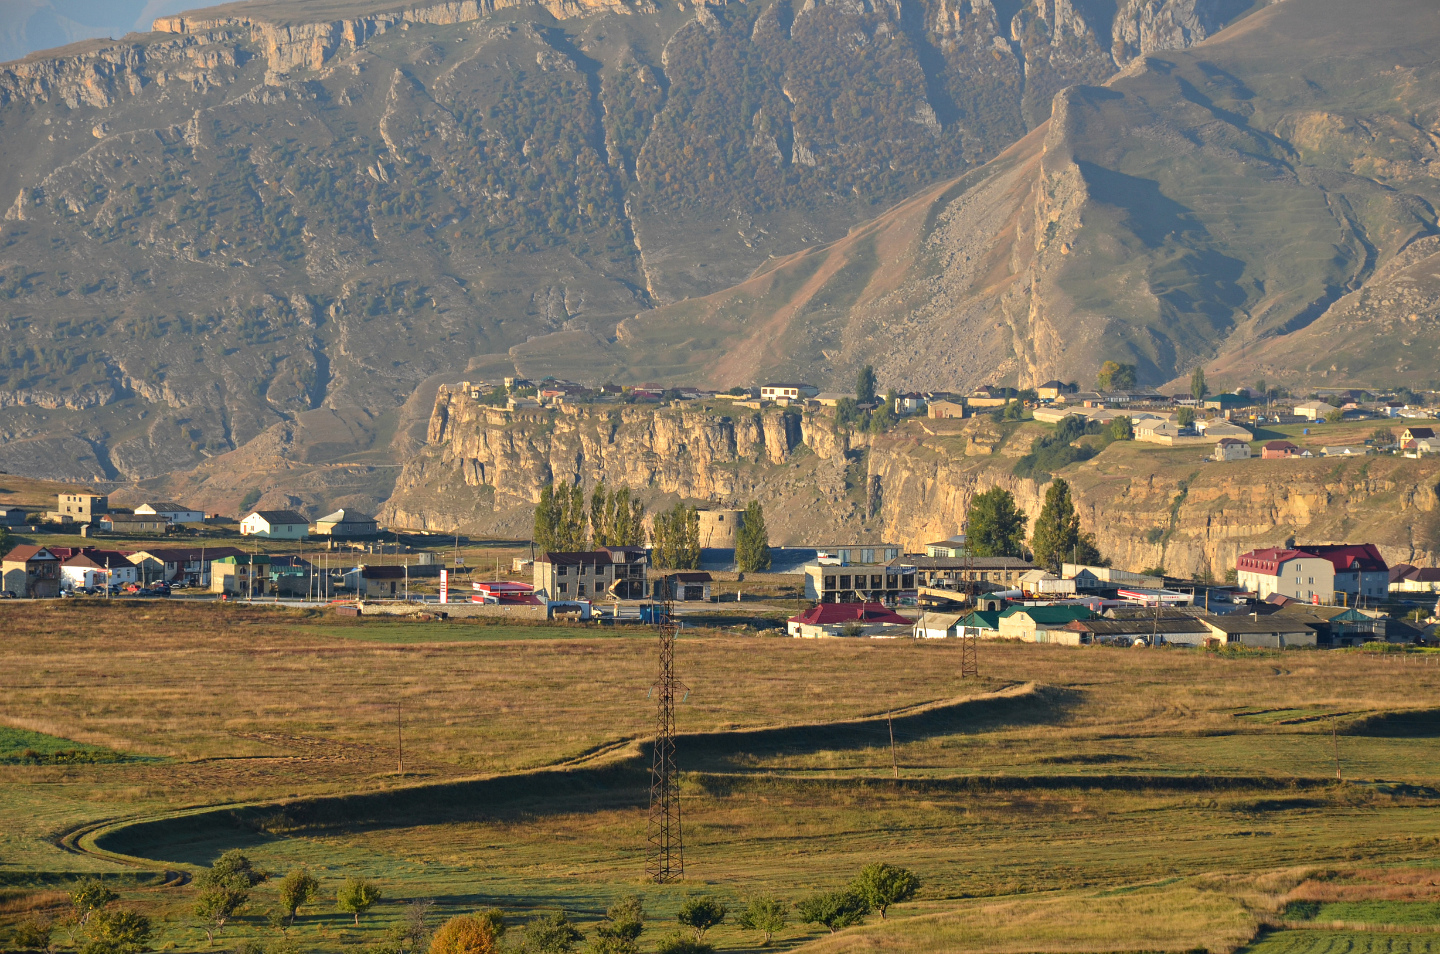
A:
(7, 595)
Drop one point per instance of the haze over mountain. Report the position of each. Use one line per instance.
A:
(253, 241)
(30, 25)
(281, 218)
(1263, 203)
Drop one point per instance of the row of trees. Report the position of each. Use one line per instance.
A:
(223, 892)
(995, 526)
(564, 521)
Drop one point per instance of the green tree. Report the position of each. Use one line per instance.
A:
(752, 546)
(677, 538)
(33, 934)
(298, 888)
(620, 932)
(833, 909)
(1334, 416)
(222, 896)
(1198, 387)
(547, 520)
(883, 417)
(356, 896)
(116, 931)
(602, 515)
(1185, 416)
(1122, 429)
(88, 897)
(865, 385)
(1057, 536)
(701, 913)
(496, 919)
(765, 915)
(995, 525)
(882, 885)
(1114, 376)
(553, 933)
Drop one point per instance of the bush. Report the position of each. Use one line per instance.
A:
(33, 935)
(552, 934)
(679, 943)
(465, 934)
(117, 932)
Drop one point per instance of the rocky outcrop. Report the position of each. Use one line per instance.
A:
(484, 467)
(291, 46)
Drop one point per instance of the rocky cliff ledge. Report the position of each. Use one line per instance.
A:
(301, 45)
(483, 467)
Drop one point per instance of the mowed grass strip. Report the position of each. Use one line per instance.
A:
(1177, 918)
(1343, 942)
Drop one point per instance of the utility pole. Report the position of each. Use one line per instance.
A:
(1335, 745)
(894, 760)
(399, 739)
(665, 860)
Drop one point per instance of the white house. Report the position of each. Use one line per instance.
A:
(275, 525)
(86, 570)
(937, 625)
(1314, 410)
(171, 511)
(787, 392)
(1230, 448)
(1297, 574)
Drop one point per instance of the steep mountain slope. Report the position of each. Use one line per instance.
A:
(1204, 206)
(268, 209)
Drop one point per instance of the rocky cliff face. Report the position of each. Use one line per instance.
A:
(483, 468)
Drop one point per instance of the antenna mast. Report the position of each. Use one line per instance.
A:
(665, 859)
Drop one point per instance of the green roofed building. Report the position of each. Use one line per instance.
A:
(243, 575)
(1042, 624)
(982, 623)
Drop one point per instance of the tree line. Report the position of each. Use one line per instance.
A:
(565, 521)
(995, 526)
(96, 925)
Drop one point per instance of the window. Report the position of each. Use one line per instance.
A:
(875, 581)
(563, 588)
(867, 556)
(580, 589)
(829, 582)
(562, 570)
(844, 582)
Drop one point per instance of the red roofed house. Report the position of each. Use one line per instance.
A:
(1405, 578)
(1275, 450)
(1298, 574)
(1360, 570)
(844, 619)
(31, 572)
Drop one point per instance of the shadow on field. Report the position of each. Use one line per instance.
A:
(715, 762)
(1014, 707)
(1409, 724)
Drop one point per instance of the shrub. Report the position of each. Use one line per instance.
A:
(679, 943)
(33, 935)
(116, 932)
(465, 934)
(552, 934)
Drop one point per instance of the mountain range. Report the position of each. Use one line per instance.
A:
(243, 249)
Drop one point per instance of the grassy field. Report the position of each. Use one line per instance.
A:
(1080, 800)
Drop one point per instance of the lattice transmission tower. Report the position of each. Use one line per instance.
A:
(665, 859)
